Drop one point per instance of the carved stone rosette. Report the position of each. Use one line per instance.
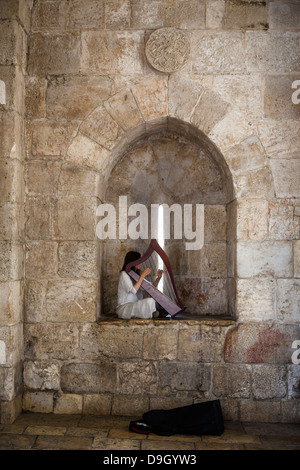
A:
(167, 49)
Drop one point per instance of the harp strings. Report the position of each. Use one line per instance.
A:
(165, 284)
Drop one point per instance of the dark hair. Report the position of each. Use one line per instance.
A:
(131, 256)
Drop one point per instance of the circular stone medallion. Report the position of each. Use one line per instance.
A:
(167, 49)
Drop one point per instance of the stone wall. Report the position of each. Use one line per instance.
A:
(91, 97)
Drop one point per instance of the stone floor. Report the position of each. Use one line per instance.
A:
(35, 431)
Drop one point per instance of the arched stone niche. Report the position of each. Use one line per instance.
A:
(173, 162)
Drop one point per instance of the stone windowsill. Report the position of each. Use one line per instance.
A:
(212, 320)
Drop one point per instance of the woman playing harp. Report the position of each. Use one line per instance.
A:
(131, 303)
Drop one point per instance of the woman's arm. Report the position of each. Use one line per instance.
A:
(142, 277)
(159, 275)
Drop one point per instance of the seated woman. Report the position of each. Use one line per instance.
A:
(131, 303)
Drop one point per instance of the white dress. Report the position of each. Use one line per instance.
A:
(130, 302)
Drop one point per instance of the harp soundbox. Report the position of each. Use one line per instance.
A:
(165, 294)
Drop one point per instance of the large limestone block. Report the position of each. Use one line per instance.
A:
(256, 183)
(49, 16)
(246, 15)
(217, 52)
(288, 301)
(215, 10)
(255, 300)
(109, 341)
(71, 301)
(35, 98)
(273, 51)
(42, 375)
(269, 381)
(11, 261)
(68, 403)
(88, 378)
(135, 378)
(184, 92)
(124, 110)
(281, 139)
(86, 152)
(87, 15)
(201, 344)
(54, 53)
(38, 218)
(263, 411)
(41, 177)
(165, 341)
(11, 338)
(252, 219)
(209, 110)
(284, 15)
(108, 52)
(10, 302)
(38, 402)
(278, 102)
(232, 382)
(284, 220)
(248, 155)
(75, 180)
(35, 294)
(117, 14)
(77, 260)
(11, 221)
(286, 177)
(49, 138)
(12, 43)
(41, 260)
(183, 376)
(74, 97)
(100, 127)
(264, 259)
(297, 258)
(11, 176)
(251, 343)
(45, 341)
(74, 218)
(151, 96)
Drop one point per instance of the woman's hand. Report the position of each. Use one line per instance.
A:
(159, 273)
(146, 272)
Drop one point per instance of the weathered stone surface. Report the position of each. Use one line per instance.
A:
(268, 381)
(77, 260)
(49, 138)
(99, 126)
(248, 155)
(267, 51)
(83, 151)
(151, 97)
(124, 405)
(41, 260)
(75, 180)
(97, 404)
(215, 10)
(117, 14)
(184, 93)
(255, 183)
(231, 382)
(42, 177)
(12, 43)
(74, 97)
(264, 259)
(201, 344)
(11, 261)
(183, 376)
(124, 110)
(38, 402)
(209, 110)
(49, 16)
(252, 219)
(286, 177)
(297, 258)
(111, 52)
(257, 343)
(74, 218)
(35, 293)
(293, 381)
(68, 404)
(41, 376)
(72, 300)
(110, 341)
(278, 102)
(284, 15)
(288, 301)
(281, 139)
(88, 378)
(46, 341)
(160, 344)
(137, 378)
(255, 299)
(10, 302)
(11, 173)
(56, 53)
(262, 411)
(35, 99)
(246, 15)
(11, 221)
(284, 221)
(219, 52)
(87, 15)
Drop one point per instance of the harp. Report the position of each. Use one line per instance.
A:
(165, 294)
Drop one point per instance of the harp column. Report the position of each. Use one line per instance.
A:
(161, 240)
